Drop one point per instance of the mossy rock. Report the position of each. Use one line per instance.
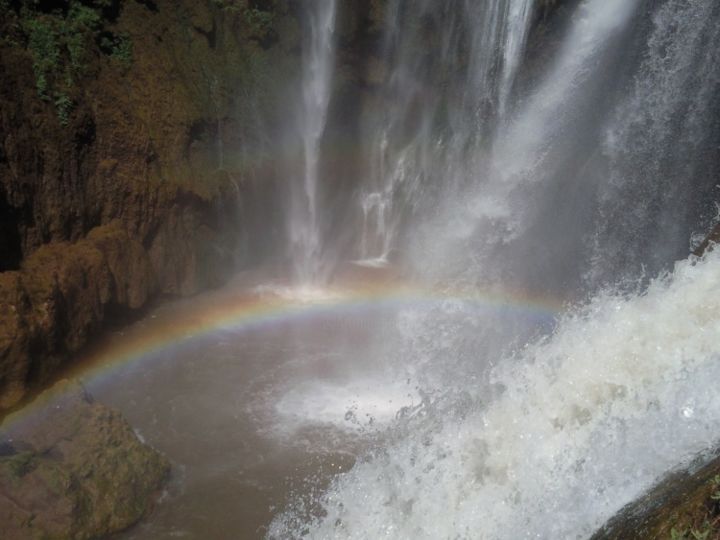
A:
(683, 506)
(73, 469)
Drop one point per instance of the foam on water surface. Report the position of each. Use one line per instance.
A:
(572, 429)
(353, 406)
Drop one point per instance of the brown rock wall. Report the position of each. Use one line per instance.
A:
(145, 188)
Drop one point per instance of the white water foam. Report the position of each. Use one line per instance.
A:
(580, 424)
(300, 294)
(378, 262)
(352, 406)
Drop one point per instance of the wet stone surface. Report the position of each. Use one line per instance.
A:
(73, 468)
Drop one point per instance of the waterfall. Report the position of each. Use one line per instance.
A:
(435, 107)
(318, 57)
(661, 147)
(488, 229)
(583, 183)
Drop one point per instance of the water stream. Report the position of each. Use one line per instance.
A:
(442, 97)
(304, 222)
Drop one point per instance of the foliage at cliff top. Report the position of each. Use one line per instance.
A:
(62, 37)
(259, 19)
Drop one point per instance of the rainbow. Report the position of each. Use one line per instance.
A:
(239, 310)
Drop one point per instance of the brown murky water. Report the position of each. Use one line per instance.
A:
(252, 417)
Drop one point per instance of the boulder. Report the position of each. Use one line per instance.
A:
(683, 506)
(71, 468)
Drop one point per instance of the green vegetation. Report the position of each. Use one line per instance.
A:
(706, 525)
(258, 21)
(45, 50)
(20, 464)
(694, 534)
(231, 6)
(715, 495)
(64, 106)
(119, 48)
(62, 41)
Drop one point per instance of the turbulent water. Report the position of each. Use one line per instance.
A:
(560, 437)
(582, 180)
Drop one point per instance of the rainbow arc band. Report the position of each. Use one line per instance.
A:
(247, 312)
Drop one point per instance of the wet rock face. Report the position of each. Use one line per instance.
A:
(64, 291)
(683, 506)
(136, 175)
(71, 468)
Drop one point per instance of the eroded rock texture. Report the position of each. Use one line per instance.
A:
(143, 170)
(71, 468)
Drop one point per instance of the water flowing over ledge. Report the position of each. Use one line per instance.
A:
(561, 437)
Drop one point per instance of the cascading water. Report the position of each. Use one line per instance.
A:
(561, 437)
(510, 200)
(438, 100)
(661, 146)
(586, 181)
(318, 56)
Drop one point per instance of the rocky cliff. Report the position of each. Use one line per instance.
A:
(134, 160)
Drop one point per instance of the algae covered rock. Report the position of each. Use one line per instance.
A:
(60, 297)
(73, 468)
(683, 506)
